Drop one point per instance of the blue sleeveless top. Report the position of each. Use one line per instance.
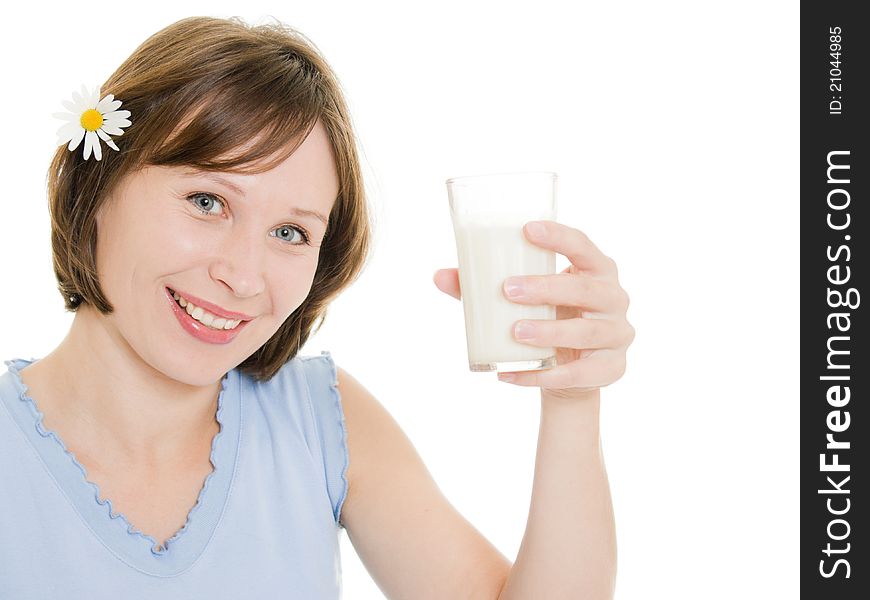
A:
(265, 525)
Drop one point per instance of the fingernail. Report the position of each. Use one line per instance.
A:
(536, 229)
(513, 287)
(524, 330)
(506, 377)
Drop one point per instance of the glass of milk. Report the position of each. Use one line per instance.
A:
(489, 212)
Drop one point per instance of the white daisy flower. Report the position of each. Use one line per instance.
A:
(91, 119)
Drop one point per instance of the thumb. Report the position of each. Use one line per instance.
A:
(447, 280)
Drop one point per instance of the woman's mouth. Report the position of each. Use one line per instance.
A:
(200, 323)
(208, 319)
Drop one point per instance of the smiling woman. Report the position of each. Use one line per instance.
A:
(175, 444)
(229, 249)
(212, 95)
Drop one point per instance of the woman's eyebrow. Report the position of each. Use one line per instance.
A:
(217, 178)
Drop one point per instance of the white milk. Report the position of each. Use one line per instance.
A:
(489, 252)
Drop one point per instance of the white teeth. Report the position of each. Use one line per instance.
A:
(203, 316)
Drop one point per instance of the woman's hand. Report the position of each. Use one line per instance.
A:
(591, 333)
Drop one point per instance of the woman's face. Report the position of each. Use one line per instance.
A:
(241, 251)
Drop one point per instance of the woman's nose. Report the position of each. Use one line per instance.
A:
(240, 263)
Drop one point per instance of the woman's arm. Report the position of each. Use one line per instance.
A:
(569, 547)
(416, 545)
(411, 539)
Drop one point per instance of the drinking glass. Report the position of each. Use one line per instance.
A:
(488, 213)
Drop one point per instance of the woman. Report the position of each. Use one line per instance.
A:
(175, 443)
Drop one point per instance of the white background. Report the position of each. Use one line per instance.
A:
(674, 129)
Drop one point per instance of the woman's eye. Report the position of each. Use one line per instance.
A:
(204, 202)
(287, 230)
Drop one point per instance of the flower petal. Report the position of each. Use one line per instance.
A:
(73, 107)
(74, 143)
(67, 132)
(105, 137)
(65, 116)
(118, 122)
(112, 145)
(89, 144)
(98, 148)
(117, 114)
(108, 128)
(94, 97)
(111, 107)
(103, 105)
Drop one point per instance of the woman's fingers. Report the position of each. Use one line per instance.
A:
(567, 289)
(578, 333)
(447, 280)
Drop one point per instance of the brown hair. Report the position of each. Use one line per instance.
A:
(197, 90)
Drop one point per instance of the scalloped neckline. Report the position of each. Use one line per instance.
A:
(114, 529)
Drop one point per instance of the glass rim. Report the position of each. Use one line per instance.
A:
(552, 174)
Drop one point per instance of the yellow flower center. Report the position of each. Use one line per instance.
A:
(92, 119)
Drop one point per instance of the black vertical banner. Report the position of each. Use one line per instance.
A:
(835, 363)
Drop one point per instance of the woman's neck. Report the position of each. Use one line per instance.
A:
(102, 390)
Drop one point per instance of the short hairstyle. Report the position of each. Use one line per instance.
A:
(198, 89)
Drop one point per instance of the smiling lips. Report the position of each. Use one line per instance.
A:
(205, 321)
(205, 317)
(214, 309)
